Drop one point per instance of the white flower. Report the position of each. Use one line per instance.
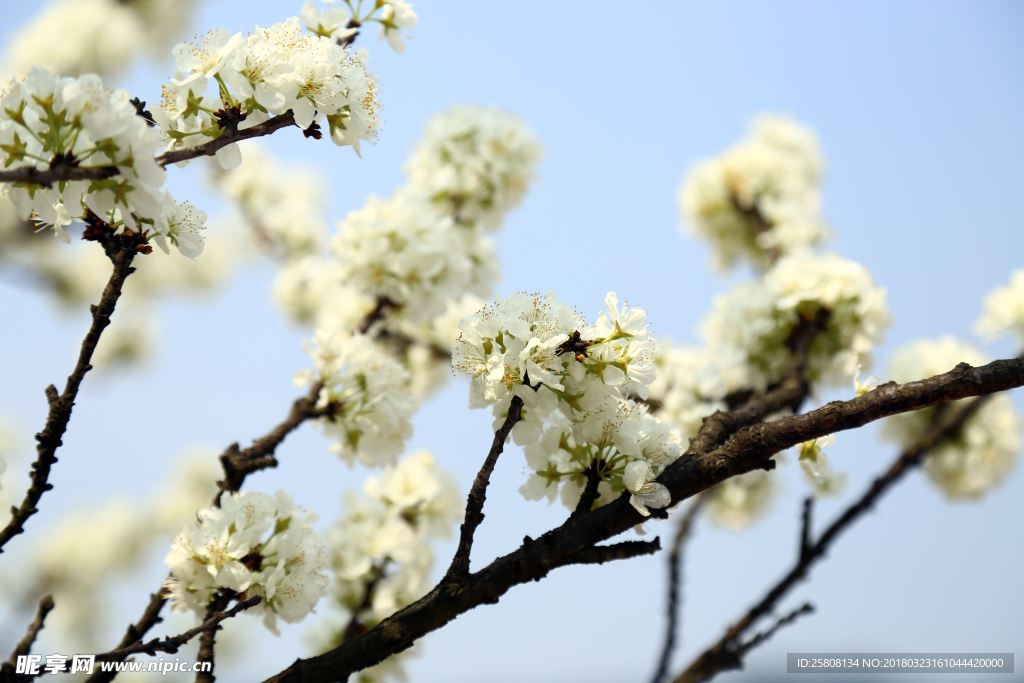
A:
(475, 163)
(1004, 310)
(397, 15)
(864, 387)
(638, 480)
(760, 199)
(332, 23)
(372, 419)
(989, 443)
(252, 545)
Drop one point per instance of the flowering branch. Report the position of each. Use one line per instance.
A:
(727, 652)
(121, 251)
(61, 171)
(25, 646)
(696, 471)
(675, 579)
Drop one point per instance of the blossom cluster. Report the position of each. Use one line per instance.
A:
(760, 199)
(267, 73)
(367, 390)
(253, 544)
(576, 383)
(475, 163)
(1004, 310)
(379, 551)
(342, 23)
(749, 327)
(989, 442)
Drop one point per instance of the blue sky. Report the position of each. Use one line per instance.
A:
(918, 106)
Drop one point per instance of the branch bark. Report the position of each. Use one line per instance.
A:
(25, 645)
(48, 440)
(694, 472)
(727, 652)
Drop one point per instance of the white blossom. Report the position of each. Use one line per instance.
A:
(749, 326)
(371, 421)
(638, 480)
(251, 545)
(476, 163)
(760, 199)
(989, 443)
(1004, 310)
(396, 16)
(50, 121)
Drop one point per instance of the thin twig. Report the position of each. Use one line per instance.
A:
(590, 494)
(675, 581)
(25, 645)
(805, 528)
(726, 653)
(208, 639)
(695, 471)
(48, 440)
(459, 567)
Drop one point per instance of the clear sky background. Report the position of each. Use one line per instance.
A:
(919, 107)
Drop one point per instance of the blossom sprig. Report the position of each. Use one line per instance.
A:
(760, 199)
(48, 122)
(268, 73)
(815, 465)
(253, 544)
(341, 24)
(576, 382)
(989, 443)
(369, 389)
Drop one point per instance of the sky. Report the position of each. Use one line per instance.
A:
(918, 107)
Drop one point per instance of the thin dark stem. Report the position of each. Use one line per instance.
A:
(25, 645)
(459, 567)
(727, 652)
(589, 495)
(380, 310)
(675, 582)
(48, 440)
(805, 528)
(695, 471)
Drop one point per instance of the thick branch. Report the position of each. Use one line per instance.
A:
(725, 654)
(675, 580)
(25, 645)
(57, 173)
(238, 464)
(689, 475)
(48, 440)
(459, 567)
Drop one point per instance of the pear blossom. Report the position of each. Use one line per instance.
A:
(638, 480)
(760, 199)
(475, 163)
(332, 23)
(989, 443)
(371, 418)
(253, 544)
(1004, 310)
(396, 16)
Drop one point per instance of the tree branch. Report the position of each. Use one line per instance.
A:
(805, 528)
(459, 568)
(238, 464)
(150, 618)
(208, 640)
(590, 494)
(726, 653)
(675, 580)
(25, 645)
(48, 440)
(694, 472)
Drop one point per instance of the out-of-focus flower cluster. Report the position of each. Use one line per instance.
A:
(1004, 310)
(576, 384)
(253, 544)
(267, 73)
(989, 443)
(379, 551)
(760, 199)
